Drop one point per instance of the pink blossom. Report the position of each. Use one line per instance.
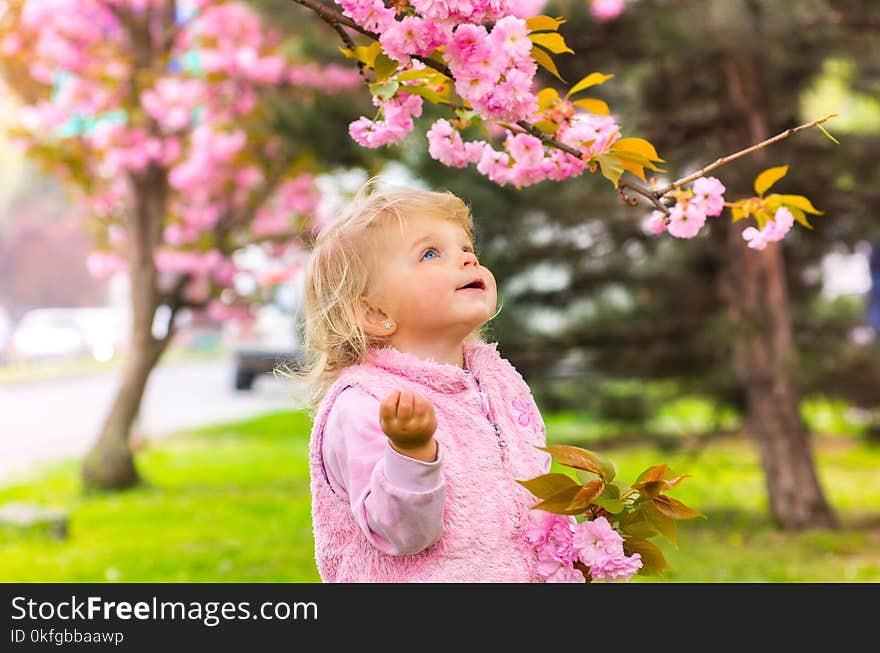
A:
(411, 36)
(594, 541)
(755, 239)
(525, 8)
(445, 145)
(709, 194)
(398, 121)
(780, 225)
(526, 150)
(372, 15)
(617, 568)
(468, 44)
(221, 312)
(775, 230)
(657, 222)
(685, 220)
(603, 10)
(553, 571)
(511, 36)
(103, 264)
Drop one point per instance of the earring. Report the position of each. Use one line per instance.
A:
(388, 325)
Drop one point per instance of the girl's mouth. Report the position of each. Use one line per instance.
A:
(476, 284)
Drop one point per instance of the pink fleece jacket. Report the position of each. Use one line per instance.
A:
(457, 520)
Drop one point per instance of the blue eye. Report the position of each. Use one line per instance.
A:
(428, 251)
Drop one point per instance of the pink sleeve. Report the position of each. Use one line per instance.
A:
(397, 501)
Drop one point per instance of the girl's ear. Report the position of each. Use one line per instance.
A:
(375, 321)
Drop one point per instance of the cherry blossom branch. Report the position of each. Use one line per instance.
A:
(335, 19)
(738, 155)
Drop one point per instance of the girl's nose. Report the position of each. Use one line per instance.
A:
(470, 259)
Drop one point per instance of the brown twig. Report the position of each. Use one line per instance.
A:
(738, 155)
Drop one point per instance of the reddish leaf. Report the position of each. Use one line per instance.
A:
(675, 509)
(652, 474)
(560, 501)
(574, 457)
(547, 485)
(664, 524)
(653, 560)
(650, 488)
(586, 495)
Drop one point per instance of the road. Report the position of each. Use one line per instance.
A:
(42, 421)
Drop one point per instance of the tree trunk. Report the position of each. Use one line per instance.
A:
(109, 465)
(753, 286)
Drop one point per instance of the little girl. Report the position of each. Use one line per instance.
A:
(420, 427)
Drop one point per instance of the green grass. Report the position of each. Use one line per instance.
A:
(227, 503)
(231, 503)
(738, 543)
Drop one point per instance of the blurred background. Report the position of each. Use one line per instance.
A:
(646, 349)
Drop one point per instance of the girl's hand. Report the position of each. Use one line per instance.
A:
(409, 422)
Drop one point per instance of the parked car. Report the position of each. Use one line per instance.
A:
(62, 332)
(46, 334)
(271, 340)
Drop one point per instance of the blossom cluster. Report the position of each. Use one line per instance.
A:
(562, 542)
(525, 160)
(688, 215)
(773, 231)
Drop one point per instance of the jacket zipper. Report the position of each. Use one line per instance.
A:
(502, 443)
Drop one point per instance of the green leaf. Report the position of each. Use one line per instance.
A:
(636, 524)
(593, 79)
(546, 485)
(384, 66)
(611, 167)
(738, 213)
(585, 476)
(544, 23)
(610, 499)
(675, 509)
(594, 106)
(770, 176)
(653, 560)
(384, 90)
(553, 41)
(543, 59)
(798, 201)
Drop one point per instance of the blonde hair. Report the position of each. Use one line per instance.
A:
(337, 279)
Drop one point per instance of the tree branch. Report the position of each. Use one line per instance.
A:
(738, 155)
(335, 18)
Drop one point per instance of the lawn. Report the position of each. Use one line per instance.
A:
(231, 503)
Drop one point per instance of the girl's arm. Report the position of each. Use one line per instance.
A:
(396, 500)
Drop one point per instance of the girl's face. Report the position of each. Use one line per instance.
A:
(428, 281)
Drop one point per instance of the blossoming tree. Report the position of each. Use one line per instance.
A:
(158, 114)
